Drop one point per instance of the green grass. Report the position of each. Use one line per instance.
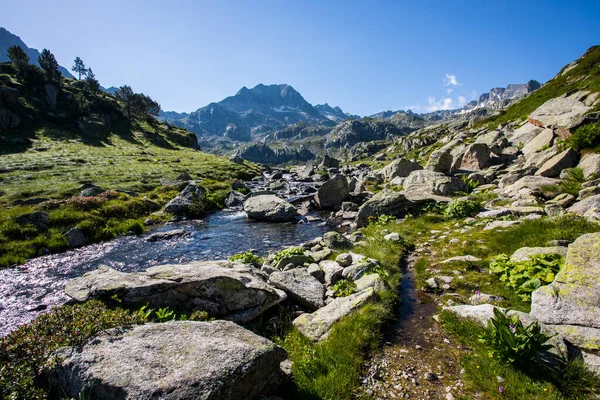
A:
(331, 368)
(585, 76)
(571, 381)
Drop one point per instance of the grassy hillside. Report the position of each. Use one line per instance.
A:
(86, 139)
(583, 74)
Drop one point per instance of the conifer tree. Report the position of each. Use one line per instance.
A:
(126, 96)
(91, 82)
(79, 68)
(18, 57)
(49, 65)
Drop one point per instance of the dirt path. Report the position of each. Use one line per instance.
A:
(418, 360)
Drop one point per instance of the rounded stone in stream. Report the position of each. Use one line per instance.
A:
(270, 208)
(176, 360)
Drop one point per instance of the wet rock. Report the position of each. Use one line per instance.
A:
(301, 287)
(161, 236)
(573, 298)
(234, 199)
(221, 288)
(189, 202)
(75, 237)
(317, 325)
(172, 361)
(332, 193)
(269, 208)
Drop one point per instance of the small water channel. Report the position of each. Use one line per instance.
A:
(30, 289)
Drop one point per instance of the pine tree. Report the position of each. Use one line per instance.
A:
(126, 96)
(49, 65)
(18, 57)
(91, 82)
(79, 68)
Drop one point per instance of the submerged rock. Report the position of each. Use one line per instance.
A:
(221, 288)
(176, 361)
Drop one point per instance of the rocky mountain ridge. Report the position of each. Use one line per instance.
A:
(253, 113)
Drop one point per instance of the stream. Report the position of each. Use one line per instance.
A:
(30, 289)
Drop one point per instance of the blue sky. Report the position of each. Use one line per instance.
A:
(364, 56)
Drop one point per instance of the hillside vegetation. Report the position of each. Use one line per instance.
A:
(68, 135)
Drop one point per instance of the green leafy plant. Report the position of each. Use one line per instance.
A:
(199, 316)
(164, 314)
(292, 251)
(462, 209)
(527, 275)
(571, 184)
(381, 219)
(144, 312)
(247, 258)
(510, 341)
(344, 287)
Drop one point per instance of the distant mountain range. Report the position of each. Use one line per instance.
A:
(255, 112)
(8, 39)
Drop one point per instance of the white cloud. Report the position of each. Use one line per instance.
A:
(451, 80)
(448, 91)
(434, 104)
(461, 101)
(473, 95)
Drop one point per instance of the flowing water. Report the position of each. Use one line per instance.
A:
(28, 290)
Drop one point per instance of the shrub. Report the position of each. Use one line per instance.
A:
(25, 351)
(571, 184)
(471, 183)
(462, 209)
(511, 342)
(247, 258)
(527, 275)
(585, 137)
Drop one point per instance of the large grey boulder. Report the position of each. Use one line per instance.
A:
(543, 139)
(524, 134)
(585, 205)
(332, 193)
(476, 157)
(329, 162)
(525, 186)
(221, 288)
(317, 325)
(553, 167)
(440, 161)
(435, 182)
(399, 168)
(566, 111)
(525, 253)
(574, 296)
(179, 360)
(300, 286)
(590, 164)
(189, 202)
(386, 202)
(269, 208)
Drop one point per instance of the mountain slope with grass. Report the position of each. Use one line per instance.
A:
(56, 139)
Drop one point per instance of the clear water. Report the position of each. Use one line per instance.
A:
(33, 288)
